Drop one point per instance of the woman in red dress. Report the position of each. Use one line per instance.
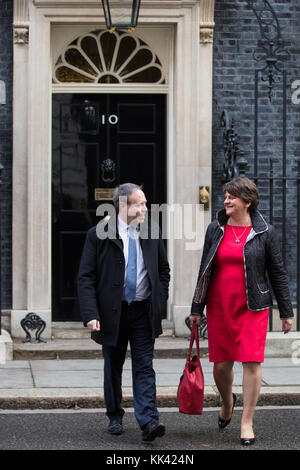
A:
(239, 252)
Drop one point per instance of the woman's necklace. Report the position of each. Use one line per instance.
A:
(237, 239)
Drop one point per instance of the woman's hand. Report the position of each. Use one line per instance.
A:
(286, 324)
(195, 319)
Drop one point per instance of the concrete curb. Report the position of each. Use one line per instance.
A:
(66, 398)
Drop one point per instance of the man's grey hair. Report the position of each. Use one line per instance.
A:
(123, 190)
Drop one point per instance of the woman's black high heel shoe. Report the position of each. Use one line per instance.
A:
(247, 441)
(224, 422)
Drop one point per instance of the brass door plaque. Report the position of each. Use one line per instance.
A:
(104, 194)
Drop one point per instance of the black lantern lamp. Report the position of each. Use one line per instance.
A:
(125, 17)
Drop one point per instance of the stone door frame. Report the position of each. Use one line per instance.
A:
(189, 147)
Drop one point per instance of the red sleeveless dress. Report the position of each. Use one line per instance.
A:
(235, 333)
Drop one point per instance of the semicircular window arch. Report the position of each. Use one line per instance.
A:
(108, 58)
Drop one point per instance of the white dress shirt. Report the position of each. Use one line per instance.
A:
(143, 289)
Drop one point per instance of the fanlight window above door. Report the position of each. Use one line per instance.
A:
(103, 57)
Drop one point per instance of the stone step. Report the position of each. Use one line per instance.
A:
(165, 347)
(69, 330)
(75, 330)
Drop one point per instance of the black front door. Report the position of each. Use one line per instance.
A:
(98, 142)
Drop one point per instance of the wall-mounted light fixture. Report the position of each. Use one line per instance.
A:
(121, 15)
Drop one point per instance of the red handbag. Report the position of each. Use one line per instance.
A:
(190, 392)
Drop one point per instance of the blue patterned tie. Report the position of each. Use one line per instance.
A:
(130, 287)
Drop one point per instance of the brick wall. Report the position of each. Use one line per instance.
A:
(236, 37)
(6, 75)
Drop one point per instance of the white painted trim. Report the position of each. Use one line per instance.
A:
(157, 4)
(101, 88)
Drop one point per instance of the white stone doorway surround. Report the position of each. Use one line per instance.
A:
(189, 127)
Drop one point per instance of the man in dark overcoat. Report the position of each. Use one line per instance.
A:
(123, 283)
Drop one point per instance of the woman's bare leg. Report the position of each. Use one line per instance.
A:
(223, 375)
(251, 388)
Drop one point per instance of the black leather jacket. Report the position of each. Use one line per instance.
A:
(262, 262)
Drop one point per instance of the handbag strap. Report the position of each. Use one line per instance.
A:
(194, 337)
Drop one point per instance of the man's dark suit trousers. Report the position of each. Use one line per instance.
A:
(134, 327)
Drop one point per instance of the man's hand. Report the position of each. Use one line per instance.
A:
(93, 325)
(195, 319)
(286, 324)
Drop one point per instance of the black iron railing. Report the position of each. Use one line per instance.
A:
(277, 180)
(276, 189)
(277, 177)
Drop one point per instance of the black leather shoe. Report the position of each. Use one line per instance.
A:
(152, 430)
(115, 426)
(248, 441)
(224, 422)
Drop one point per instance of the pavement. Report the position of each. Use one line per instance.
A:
(78, 383)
